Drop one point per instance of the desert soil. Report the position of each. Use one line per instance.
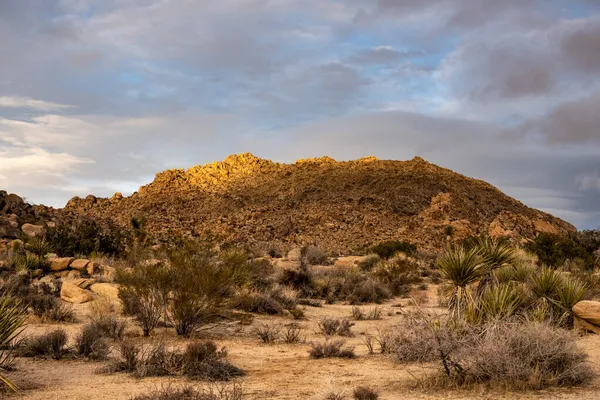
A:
(274, 371)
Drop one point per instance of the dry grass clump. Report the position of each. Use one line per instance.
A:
(49, 308)
(367, 264)
(314, 255)
(292, 334)
(515, 356)
(254, 301)
(329, 349)
(52, 344)
(91, 344)
(199, 360)
(332, 326)
(234, 392)
(268, 333)
(365, 393)
(373, 314)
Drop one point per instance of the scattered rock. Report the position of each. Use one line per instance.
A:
(82, 283)
(80, 264)
(73, 293)
(92, 267)
(31, 230)
(60, 264)
(74, 274)
(106, 289)
(587, 315)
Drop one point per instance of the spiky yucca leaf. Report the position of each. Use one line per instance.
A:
(504, 274)
(570, 292)
(545, 283)
(462, 267)
(495, 254)
(12, 318)
(499, 302)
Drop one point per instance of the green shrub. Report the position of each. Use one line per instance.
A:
(389, 248)
(554, 250)
(85, 236)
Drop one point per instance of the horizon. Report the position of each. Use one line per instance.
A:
(97, 97)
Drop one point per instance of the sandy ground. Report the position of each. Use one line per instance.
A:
(274, 371)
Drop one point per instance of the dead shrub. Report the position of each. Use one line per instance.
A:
(367, 264)
(50, 308)
(292, 334)
(203, 360)
(109, 326)
(52, 344)
(268, 333)
(512, 355)
(91, 344)
(332, 326)
(365, 393)
(360, 315)
(329, 349)
(212, 392)
(251, 300)
(314, 255)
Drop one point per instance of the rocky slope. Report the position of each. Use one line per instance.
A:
(340, 206)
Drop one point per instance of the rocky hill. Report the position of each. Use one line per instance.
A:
(340, 206)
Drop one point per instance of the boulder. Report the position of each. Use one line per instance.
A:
(295, 254)
(92, 267)
(74, 294)
(589, 311)
(582, 325)
(79, 264)
(106, 289)
(73, 274)
(31, 230)
(82, 283)
(60, 264)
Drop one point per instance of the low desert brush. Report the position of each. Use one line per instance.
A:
(331, 348)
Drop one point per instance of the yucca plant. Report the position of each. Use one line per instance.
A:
(522, 271)
(463, 268)
(494, 255)
(497, 302)
(39, 247)
(570, 292)
(12, 318)
(504, 274)
(22, 262)
(545, 283)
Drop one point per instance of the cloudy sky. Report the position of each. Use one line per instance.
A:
(96, 96)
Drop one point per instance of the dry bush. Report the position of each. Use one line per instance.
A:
(332, 326)
(369, 341)
(292, 334)
(251, 300)
(268, 333)
(212, 392)
(373, 314)
(398, 273)
(314, 255)
(328, 349)
(50, 308)
(516, 356)
(101, 307)
(365, 393)
(200, 360)
(91, 344)
(368, 262)
(109, 326)
(203, 360)
(52, 344)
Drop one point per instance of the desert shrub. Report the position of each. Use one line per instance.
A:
(497, 302)
(244, 270)
(389, 248)
(24, 262)
(300, 279)
(369, 341)
(314, 255)
(359, 315)
(234, 392)
(369, 262)
(329, 349)
(292, 333)
(144, 291)
(91, 344)
(85, 236)
(203, 360)
(251, 300)
(398, 273)
(512, 355)
(359, 288)
(52, 344)
(268, 333)
(554, 250)
(17, 285)
(365, 393)
(49, 308)
(109, 326)
(12, 318)
(569, 292)
(332, 326)
(199, 287)
(284, 295)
